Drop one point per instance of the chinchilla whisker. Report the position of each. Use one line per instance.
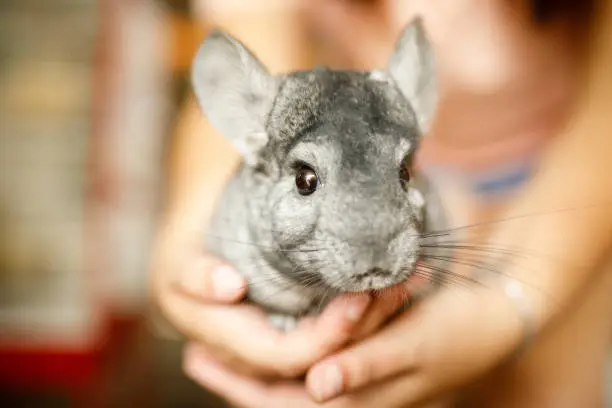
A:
(235, 241)
(268, 277)
(321, 301)
(522, 253)
(310, 280)
(404, 292)
(488, 268)
(446, 273)
(427, 275)
(281, 287)
(439, 275)
(256, 264)
(275, 231)
(512, 218)
(292, 285)
(286, 284)
(453, 281)
(265, 279)
(474, 260)
(436, 278)
(472, 263)
(466, 255)
(460, 253)
(313, 285)
(474, 248)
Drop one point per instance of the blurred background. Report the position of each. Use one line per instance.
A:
(89, 93)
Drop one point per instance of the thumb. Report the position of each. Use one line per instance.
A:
(434, 346)
(208, 279)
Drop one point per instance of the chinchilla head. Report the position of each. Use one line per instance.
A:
(327, 157)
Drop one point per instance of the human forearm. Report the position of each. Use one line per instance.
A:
(574, 185)
(200, 162)
(567, 231)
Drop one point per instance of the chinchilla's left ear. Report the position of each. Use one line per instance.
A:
(235, 91)
(412, 66)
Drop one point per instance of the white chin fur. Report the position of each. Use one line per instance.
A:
(379, 76)
(416, 198)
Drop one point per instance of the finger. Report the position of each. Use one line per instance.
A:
(317, 337)
(204, 370)
(207, 279)
(400, 392)
(383, 307)
(238, 389)
(386, 305)
(456, 335)
(244, 391)
(248, 392)
(244, 332)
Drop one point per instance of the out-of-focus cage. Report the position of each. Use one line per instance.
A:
(46, 111)
(90, 91)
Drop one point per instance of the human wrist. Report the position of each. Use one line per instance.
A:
(557, 242)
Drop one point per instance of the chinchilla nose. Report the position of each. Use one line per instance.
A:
(374, 272)
(374, 250)
(370, 217)
(378, 231)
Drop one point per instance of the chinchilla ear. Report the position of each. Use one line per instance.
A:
(234, 90)
(412, 66)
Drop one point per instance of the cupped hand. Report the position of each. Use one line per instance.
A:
(426, 352)
(201, 296)
(434, 348)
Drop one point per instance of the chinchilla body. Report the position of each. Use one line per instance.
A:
(327, 199)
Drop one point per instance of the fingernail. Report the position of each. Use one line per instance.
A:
(196, 370)
(326, 382)
(191, 361)
(357, 307)
(190, 368)
(226, 282)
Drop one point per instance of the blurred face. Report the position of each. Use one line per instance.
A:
(508, 82)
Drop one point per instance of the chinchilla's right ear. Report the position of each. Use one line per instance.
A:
(413, 67)
(235, 91)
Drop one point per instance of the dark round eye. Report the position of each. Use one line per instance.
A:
(306, 180)
(405, 175)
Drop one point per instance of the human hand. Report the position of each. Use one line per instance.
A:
(430, 350)
(200, 296)
(448, 340)
(424, 353)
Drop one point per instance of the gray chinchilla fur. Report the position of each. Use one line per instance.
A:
(325, 200)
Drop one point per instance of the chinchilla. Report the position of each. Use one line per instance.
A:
(326, 200)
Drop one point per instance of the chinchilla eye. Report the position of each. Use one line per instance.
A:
(405, 174)
(306, 180)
